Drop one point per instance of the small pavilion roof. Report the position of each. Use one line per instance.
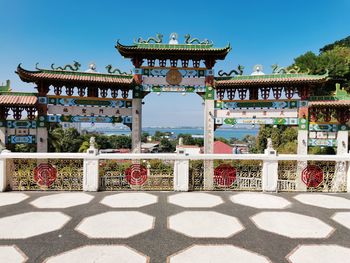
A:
(269, 80)
(74, 77)
(18, 100)
(171, 51)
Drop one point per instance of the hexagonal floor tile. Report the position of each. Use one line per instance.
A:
(205, 224)
(319, 254)
(100, 254)
(195, 200)
(116, 224)
(260, 200)
(11, 198)
(12, 254)
(31, 224)
(125, 200)
(216, 254)
(292, 225)
(342, 218)
(325, 201)
(62, 200)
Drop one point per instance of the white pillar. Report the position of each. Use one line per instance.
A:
(41, 140)
(348, 178)
(136, 125)
(91, 177)
(302, 149)
(270, 169)
(3, 179)
(181, 175)
(209, 122)
(3, 137)
(3, 173)
(342, 142)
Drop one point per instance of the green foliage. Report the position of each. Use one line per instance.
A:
(68, 140)
(158, 135)
(322, 150)
(166, 146)
(345, 42)
(284, 139)
(189, 140)
(23, 148)
(120, 141)
(84, 147)
(144, 136)
(335, 58)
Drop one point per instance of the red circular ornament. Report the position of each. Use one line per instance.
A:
(224, 175)
(45, 174)
(312, 176)
(136, 174)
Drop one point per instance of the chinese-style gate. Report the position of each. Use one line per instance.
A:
(67, 94)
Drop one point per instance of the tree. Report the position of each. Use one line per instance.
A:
(144, 136)
(284, 139)
(334, 58)
(345, 42)
(321, 150)
(158, 135)
(166, 146)
(120, 142)
(84, 147)
(68, 140)
(24, 148)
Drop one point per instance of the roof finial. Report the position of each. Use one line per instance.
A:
(173, 39)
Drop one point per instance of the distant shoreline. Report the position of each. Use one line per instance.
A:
(226, 133)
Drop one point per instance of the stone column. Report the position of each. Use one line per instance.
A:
(91, 177)
(41, 140)
(339, 181)
(209, 122)
(181, 175)
(136, 125)
(3, 137)
(270, 169)
(303, 137)
(342, 142)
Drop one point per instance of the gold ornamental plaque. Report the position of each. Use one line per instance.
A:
(173, 77)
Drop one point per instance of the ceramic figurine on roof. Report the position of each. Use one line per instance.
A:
(257, 70)
(173, 39)
(92, 68)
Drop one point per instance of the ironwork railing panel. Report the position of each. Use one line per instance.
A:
(227, 175)
(45, 174)
(136, 175)
(287, 173)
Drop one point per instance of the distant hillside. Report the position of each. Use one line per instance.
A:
(345, 42)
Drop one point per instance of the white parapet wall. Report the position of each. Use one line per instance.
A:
(181, 175)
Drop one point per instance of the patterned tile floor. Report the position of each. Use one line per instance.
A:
(174, 227)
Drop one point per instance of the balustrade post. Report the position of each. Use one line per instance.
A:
(91, 177)
(181, 173)
(270, 170)
(348, 175)
(3, 173)
(301, 165)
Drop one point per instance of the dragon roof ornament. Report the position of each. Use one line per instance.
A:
(238, 71)
(75, 67)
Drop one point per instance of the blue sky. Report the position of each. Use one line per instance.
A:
(260, 32)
